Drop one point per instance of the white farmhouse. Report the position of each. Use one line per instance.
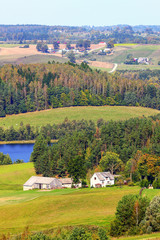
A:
(101, 179)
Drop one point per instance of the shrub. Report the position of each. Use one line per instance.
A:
(156, 184)
(79, 234)
(39, 236)
(120, 183)
(144, 183)
(149, 230)
(134, 230)
(131, 184)
(84, 183)
(102, 234)
(152, 216)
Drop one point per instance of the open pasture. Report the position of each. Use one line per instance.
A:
(13, 176)
(43, 210)
(51, 116)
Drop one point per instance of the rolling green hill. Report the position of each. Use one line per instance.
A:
(13, 176)
(58, 115)
(41, 210)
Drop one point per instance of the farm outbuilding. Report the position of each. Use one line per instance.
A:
(42, 183)
(68, 182)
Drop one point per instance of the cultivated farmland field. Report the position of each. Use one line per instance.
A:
(11, 53)
(58, 115)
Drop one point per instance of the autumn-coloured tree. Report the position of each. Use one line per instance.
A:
(111, 162)
(149, 166)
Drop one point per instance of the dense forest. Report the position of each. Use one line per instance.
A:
(136, 141)
(117, 33)
(32, 87)
(35, 32)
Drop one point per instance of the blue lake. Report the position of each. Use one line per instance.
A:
(17, 151)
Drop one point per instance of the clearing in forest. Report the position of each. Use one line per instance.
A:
(57, 115)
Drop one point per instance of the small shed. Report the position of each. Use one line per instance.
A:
(68, 182)
(42, 183)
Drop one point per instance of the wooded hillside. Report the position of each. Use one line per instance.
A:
(27, 88)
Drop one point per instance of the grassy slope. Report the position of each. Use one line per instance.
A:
(76, 113)
(13, 176)
(150, 51)
(41, 210)
(41, 59)
(16, 59)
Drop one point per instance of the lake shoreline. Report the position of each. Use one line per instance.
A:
(23, 142)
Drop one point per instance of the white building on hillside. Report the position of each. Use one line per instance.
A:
(35, 182)
(42, 183)
(68, 182)
(101, 179)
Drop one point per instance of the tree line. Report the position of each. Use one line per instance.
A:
(55, 131)
(136, 143)
(32, 87)
(131, 147)
(136, 215)
(119, 34)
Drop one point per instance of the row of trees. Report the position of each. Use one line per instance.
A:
(120, 34)
(27, 88)
(43, 47)
(75, 233)
(55, 131)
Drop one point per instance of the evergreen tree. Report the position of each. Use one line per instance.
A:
(39, 149)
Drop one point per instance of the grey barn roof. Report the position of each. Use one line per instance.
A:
(65, 180)
(39, 180)
(103, 175)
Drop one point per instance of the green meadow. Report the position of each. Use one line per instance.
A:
(43, 210)
(58, 115)
(13, 176)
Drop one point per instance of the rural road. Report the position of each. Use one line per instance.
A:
(114, 69)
